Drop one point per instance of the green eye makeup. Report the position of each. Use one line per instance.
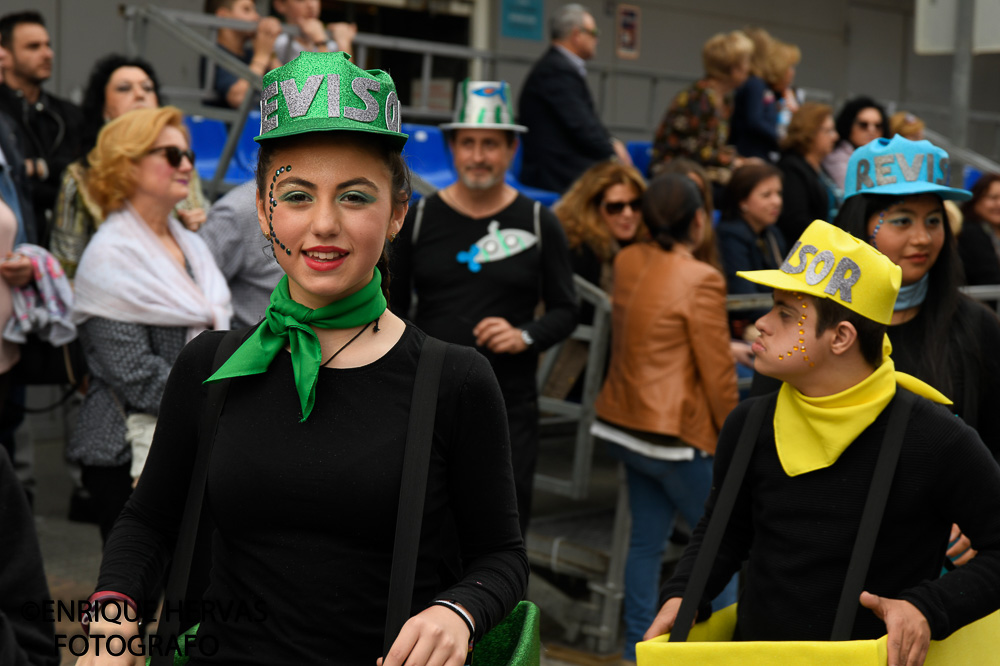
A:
(355, 194)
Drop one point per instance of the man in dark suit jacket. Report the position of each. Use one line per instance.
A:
(565, 135)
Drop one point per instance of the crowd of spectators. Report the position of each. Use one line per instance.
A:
(742, 164)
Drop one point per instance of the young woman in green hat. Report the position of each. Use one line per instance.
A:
(305, 470)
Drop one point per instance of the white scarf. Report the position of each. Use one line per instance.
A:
(126, 274)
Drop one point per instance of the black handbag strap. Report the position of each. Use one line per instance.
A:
(169, 622)
(413, 487)
(720, 519)
(871, 517)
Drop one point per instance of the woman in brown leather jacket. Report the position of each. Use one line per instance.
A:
(670, 385)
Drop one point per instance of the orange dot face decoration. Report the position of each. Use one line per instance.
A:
(801, 347)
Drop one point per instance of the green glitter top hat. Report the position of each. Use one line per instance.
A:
(321, 92)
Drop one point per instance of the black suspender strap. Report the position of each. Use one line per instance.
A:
(413, 487)
(720, 519)
(871, 518)
(169, 623)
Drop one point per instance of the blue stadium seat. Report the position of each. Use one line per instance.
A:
(426, 154)
(969, 176)
(546, 197)
(246, 149)
(641, 153)
(514, 175)
(208, 138)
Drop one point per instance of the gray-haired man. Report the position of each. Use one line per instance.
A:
(566, 136)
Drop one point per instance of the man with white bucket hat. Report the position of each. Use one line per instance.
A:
(479, 257)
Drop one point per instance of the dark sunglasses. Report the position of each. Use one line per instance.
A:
(866, 125)
(616, 207)
(174, 155)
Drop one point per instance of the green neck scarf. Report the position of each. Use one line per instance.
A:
(288, 323)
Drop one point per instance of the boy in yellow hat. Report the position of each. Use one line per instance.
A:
(795, 520)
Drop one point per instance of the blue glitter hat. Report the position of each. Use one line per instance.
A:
(901, 167)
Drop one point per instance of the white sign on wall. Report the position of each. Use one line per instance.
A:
(935, 27)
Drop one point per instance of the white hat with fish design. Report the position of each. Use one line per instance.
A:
(484, 105)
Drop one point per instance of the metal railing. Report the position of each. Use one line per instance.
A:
(597, 335)
(195, 30)
(962, 156)
(184, 28)
(975, 158)
(985, 293)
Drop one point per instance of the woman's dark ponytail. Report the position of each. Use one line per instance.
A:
(669, 208)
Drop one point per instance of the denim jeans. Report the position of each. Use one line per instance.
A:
(657, 490)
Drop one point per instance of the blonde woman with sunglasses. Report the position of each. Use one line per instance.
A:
(145, 286)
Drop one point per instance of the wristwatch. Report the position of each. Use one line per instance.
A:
(528, 340)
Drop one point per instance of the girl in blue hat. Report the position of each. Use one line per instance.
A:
(894, 199)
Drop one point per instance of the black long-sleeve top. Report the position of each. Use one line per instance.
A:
(977, 248)
(797, 533)
(453, 295)
(743, 250)
(753, 128)
(26, 639)
(305, 513)
(973, 368)
(804, 196)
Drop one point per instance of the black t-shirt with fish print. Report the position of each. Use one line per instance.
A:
(461, 270)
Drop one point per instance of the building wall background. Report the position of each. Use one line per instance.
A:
(849, 47)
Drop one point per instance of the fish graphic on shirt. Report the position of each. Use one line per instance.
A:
(498, 244)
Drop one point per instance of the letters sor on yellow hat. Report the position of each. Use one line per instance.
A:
(827, 262)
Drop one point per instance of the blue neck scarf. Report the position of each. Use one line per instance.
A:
(912, 295)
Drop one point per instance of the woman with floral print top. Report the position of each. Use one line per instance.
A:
(697, 123)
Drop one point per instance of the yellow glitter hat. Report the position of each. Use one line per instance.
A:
(842, 268)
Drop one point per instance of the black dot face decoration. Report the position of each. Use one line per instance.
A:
(273, 203)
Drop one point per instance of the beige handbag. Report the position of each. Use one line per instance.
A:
(139, 430)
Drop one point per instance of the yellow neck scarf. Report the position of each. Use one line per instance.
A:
(811, 433)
